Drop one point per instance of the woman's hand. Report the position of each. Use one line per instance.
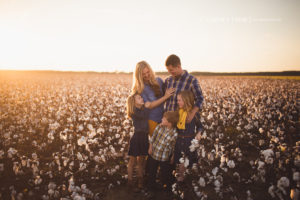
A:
(169, 92)
(147, 104)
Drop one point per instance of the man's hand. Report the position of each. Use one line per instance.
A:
(191, 114)
(169, 92)
(198, 136)
(190, 117)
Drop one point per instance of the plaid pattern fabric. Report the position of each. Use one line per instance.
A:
(163, 142)
(184, 82)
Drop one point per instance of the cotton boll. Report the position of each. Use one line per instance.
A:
(223, 160)
(52, 185)
(38, 180)
(97, 159)
(198, 193)
(217, 185)
(210, 116)
(271, 191)
(45, 197)
(237, 175)
(215, 171)
(261, 165)
(80, 127)
(261, 142)
(81, 141)
(261, 131)
(283, 183)
(51, 192)
(210, 156)
(181, 160)
(186, 162)
(248, 192)
(296, 176)
(202, 182)
(11, 151)
(79, 156)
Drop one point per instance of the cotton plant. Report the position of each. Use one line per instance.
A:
(53, 121)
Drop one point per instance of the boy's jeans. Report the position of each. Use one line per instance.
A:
(166, 173)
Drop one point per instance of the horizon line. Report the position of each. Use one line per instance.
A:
(126, 72)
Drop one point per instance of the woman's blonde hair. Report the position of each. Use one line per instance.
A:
(188, 99)
(138, 83)
(130, 104)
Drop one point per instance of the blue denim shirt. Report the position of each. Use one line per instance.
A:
(148, 95)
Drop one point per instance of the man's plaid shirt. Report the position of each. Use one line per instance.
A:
(163, 142)
(185, 82)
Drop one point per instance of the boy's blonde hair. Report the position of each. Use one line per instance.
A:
(172, 117)
(130, 104)
(188, 99)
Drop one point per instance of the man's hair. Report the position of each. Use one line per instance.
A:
(172, 117)
(173, 60)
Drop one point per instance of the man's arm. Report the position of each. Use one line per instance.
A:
(196, 89)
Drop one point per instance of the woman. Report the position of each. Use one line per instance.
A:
(150, 88)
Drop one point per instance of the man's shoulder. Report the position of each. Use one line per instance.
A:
(187, 74)
(190, 77)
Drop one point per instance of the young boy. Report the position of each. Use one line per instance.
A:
(161, 147)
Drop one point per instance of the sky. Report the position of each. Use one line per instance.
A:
(113, 35)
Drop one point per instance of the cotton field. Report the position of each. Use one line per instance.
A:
(65, 135)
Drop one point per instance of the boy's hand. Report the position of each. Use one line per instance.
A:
(198, 136)
(150, 150)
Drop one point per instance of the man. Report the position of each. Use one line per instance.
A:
(181, 80)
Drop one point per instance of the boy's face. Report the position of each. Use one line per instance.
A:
(180, 102)
(164, 122)
(138, 100)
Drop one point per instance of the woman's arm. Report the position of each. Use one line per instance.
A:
(153, 104)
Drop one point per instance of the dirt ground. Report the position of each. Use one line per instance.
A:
(123, 193)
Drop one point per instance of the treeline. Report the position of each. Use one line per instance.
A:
(283, 73)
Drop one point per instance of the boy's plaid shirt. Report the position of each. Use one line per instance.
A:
(163, 142)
